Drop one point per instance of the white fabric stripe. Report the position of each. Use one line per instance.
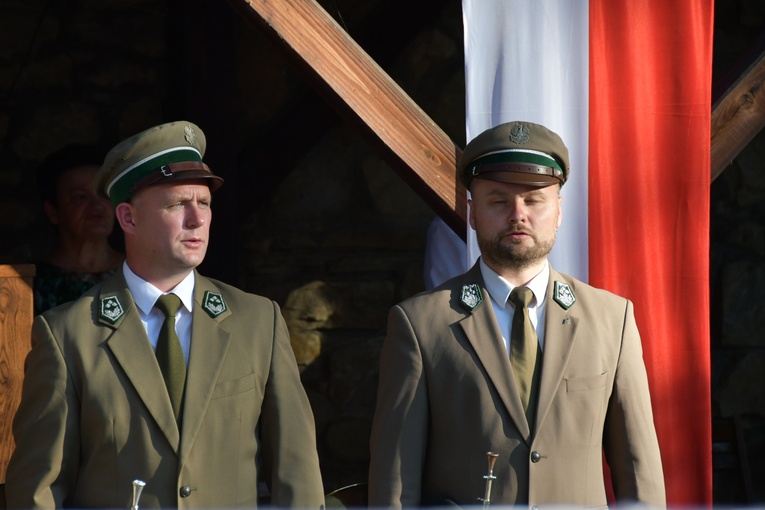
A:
(144, 160)
(528, 60)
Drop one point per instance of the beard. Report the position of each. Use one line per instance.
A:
(512, 254)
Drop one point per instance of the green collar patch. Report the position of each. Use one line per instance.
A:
(563, 295)
(213, 304)
(471, 296)
(111, 309)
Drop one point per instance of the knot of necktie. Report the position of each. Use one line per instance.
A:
(521, 296)
(168, 304)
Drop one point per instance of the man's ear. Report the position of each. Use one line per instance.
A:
(51, 212)
(124, 214)
(471, 219)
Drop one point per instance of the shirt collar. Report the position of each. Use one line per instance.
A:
(499, 289)
(145, 294)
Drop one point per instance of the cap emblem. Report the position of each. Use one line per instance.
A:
(190, 135)
(471, 296)
(563, 295)
(519, 134)
(111, 309)
(213, 304)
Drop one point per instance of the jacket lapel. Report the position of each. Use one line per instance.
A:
(560, 333)
(132, 350)
(209, 343)
(481, 329)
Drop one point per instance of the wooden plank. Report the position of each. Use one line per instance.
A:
(17, 270)
(385, 112)
(277, 146)
(16, 313)
(738, 116)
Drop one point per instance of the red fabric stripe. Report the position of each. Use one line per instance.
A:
(649, 182)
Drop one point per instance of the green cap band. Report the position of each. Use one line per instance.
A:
(517, 156)
(122, 187)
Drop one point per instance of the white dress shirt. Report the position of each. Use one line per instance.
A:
(145, 296)
(499, 290)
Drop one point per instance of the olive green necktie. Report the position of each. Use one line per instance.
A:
(169, 352)
(524, 352)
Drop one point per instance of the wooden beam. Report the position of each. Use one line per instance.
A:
(16, 314)
(422, 153)
(277, 146)
(738, 116)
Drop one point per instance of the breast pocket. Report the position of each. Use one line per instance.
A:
(234, 387)
(590, 382)
(582, 410)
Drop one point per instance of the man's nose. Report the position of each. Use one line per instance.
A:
(194, 216)
(517, 211)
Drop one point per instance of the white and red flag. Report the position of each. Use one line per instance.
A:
(627, 85)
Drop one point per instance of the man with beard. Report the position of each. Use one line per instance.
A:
(512, 358)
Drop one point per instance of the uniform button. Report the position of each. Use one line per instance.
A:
(535, 456)
(185, 491)
(534, 507)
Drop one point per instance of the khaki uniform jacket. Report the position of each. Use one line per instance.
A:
(95, 413)
(447, 396)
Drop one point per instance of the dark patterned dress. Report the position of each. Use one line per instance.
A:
(54, 285)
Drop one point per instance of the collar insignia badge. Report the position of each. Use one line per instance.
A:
(563, 295)
(471, 296)
(213, 304)
(111, 309)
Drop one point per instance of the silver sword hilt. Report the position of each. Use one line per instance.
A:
(491, 457)
(138, 486)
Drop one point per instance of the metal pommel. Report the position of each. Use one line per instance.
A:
(491, 457)
(138, 486)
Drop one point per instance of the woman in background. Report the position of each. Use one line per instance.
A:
(82, 255)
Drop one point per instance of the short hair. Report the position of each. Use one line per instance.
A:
(49, 171)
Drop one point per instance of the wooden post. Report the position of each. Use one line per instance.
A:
(423, 155)
(738, 116)
(16, 314)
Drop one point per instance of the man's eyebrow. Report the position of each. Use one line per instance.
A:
(538, 192)
(184, 195)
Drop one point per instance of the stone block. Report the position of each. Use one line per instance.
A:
(306, 345)
(744, 390)
(743, 309)
(356, 305)
(353, 375)
(347, 439)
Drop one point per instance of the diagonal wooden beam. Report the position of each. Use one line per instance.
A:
(738, 116)
(422, 153)
(416, 147)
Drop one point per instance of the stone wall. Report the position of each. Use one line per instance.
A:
(340, 241)
(65, 78)
(737, 273)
